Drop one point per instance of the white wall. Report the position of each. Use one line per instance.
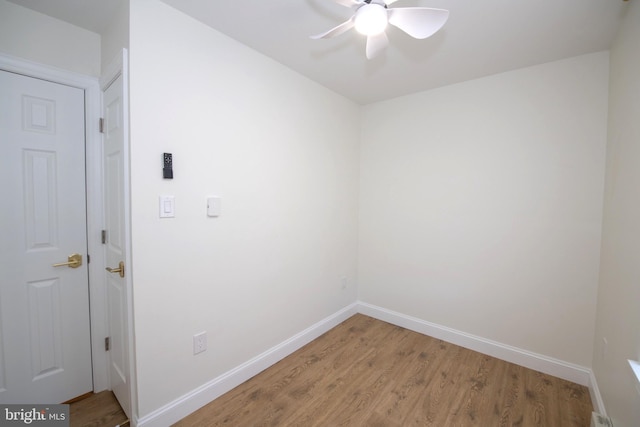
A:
(281, 151)
(480, 205)
(116, 36)
(36, 37)
(618, 318)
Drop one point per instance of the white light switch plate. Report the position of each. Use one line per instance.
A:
(167, 207)
(214, 206)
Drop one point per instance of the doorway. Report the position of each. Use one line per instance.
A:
(94, 210)
(44, 294)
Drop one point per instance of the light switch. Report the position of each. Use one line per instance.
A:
(167, 207)
(214, 206)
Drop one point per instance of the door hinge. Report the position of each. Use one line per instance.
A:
(103, 234)
(107, 343)
(101, 125)
(88, 259)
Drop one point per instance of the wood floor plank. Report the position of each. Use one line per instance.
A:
(366, 372)
(402, 400)
(443, 393)
(97, 410)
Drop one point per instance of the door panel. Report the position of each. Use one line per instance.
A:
(45, 328)
(114, 168)
(45, 348)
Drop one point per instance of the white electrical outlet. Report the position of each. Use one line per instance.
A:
(199, 342)
(344, 282)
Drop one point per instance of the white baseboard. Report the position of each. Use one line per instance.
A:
(538, 362)
(199, 397)
(204, 394)
(548, 365)
(596, 397)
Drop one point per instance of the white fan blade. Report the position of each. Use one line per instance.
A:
(348, 3)
(336, 31)
(418, 22)
(376, 44)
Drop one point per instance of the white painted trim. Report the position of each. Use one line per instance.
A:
(93, 101)
(133, 382)
(113, 70)
(46, 72)
(204, 394)
(548, 365)
(596, 397)
(95, 217)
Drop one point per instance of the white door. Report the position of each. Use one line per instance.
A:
(45, 348)
(116, 253)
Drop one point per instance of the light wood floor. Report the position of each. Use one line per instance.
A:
(98, 410)
(369, 373)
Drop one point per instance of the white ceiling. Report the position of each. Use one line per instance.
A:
(481, 37)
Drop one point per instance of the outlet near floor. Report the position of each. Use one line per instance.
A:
(199, 342)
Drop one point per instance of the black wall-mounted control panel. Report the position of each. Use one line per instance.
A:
(167, 166)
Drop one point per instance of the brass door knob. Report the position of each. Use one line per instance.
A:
(73, 261)
(119, 270)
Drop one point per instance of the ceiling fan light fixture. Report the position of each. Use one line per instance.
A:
(371, 19)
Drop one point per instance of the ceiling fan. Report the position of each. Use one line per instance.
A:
(372, 16)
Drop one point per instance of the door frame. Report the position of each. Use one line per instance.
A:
(95, 205)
